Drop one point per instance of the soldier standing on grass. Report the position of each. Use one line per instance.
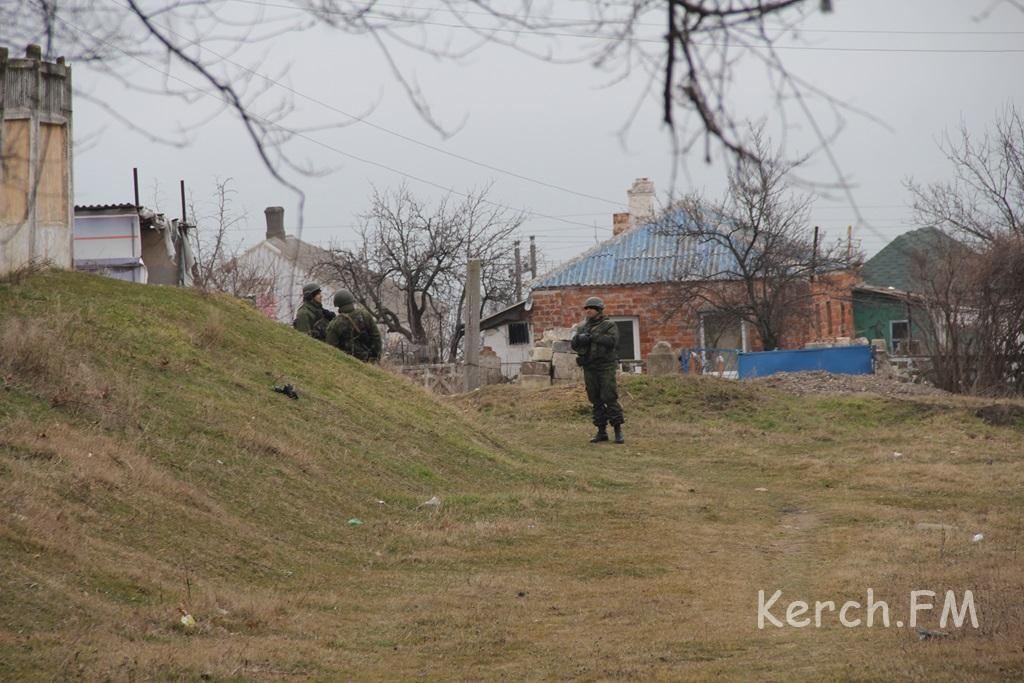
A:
(355, 330)
(312, 318)
(596, 343)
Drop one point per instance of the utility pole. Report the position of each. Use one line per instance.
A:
(184, 220)
(472, 317)
(533, 258)
(519, 273)
(814, 255)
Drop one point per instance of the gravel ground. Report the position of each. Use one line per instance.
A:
(828, 383)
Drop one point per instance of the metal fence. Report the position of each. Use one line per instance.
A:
(710, 361)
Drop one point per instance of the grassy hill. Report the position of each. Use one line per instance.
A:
(146, 468)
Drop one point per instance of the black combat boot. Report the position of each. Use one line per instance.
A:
(602, 435)
(618, 435)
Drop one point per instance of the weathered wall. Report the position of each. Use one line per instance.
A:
(564, 308)
(832, 313)
(873, 313)
(35, 162)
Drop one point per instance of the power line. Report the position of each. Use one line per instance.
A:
(566, 21)
(635, 39)
(383, 129)
(308, 138)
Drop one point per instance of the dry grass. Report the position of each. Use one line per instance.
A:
(548, 559)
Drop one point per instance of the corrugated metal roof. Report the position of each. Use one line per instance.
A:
(104, 207)
(643, 255)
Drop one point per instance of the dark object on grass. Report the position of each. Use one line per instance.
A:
(288, 390)
(1002, 415)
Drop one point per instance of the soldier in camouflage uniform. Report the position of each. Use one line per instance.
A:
(354, 331)
(596, 344)
(312, 318)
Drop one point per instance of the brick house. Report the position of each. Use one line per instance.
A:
(634, 271)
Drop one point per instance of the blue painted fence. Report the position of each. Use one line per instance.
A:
(848, 360)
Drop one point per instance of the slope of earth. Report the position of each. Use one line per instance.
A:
(147, 470)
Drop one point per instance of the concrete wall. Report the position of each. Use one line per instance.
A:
(511, 355)
(286, 291)
(36, 214)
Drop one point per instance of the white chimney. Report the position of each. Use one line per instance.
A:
(641, 200)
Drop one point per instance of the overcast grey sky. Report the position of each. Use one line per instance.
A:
(919, 66)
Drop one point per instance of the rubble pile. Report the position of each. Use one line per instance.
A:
(828, 383)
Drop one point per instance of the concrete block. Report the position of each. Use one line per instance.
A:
(565, 367)
(561, 346)
(541, 353)
(534, 381)
(554, 334)
(531, 367)
(661, 363)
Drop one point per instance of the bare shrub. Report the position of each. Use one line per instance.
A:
(211, 332)
(33, 356)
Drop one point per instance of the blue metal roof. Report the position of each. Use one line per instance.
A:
(645, 254)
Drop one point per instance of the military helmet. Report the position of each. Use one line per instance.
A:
(343, 297)
(309, 290)
(594, 302)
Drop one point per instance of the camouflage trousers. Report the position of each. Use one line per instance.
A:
(603, 395)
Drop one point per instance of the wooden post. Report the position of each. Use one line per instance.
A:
(814, 255)
(472, 317)
(533, 258)
(519, 273)
(184, 220)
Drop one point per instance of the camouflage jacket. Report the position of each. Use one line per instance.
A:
(356, 333)
(600, 352)
(312, 319)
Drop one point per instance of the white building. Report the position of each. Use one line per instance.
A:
(508, 334)
(287, 263)
(133, 244)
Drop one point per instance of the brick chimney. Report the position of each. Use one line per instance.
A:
(621, 222)
(275, 222)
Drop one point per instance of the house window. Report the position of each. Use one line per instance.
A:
(722, 331)
(899, 333)
(629, 338)
(518, 333)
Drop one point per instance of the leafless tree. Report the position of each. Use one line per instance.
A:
(409, 268)
(195, 51)
(216, 248)
(751, 255)
(973, 286)
(973, 302)
(985, 200)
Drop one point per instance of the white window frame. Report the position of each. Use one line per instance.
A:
(892, 337)
(744, 335)
(636, 333)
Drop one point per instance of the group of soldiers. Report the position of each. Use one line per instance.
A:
(352, 329)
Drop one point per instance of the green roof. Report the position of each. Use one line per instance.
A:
(891, 267)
